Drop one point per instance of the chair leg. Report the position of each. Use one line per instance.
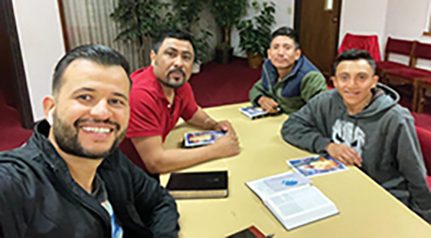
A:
(420, 100)
(415, 102)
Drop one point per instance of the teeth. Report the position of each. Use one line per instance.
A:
(101, 130)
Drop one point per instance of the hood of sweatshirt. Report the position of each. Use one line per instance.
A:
(384, 98)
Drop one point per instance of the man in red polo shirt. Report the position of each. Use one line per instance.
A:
(160, 95)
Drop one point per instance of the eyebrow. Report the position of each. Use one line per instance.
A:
(176, 50)
(85, 89)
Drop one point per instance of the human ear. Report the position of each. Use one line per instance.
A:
(152, 57)
(298, 53)
(48, 108)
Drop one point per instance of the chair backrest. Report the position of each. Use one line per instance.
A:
(369, 43)
(401, 47)
(424, 137)
(421, 51)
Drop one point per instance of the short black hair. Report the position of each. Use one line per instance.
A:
(286, 31)
(355, 54)
(100, 54)
(176, 34)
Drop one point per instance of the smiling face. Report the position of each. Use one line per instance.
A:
(90, 110)
(283, 52)
(173, 62)
(354, 80)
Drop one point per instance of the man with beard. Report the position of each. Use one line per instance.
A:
(160, 95)
(288, 78)
(70, 179)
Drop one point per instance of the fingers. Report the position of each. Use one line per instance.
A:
(228, 145)
(268, 104)
(344, 154)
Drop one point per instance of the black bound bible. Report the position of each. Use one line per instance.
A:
(212, 184)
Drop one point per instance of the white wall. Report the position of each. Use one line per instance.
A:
(407, 20)
(284, 15)
(41, 41)
(364, 17)
(397, 18)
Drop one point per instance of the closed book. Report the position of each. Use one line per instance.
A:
(213, 184)
(249, 232)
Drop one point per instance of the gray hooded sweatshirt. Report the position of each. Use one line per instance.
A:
(383, 134)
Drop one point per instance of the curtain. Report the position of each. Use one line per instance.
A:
(88, 22)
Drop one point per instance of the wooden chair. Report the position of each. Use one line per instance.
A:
(424, 90)
(395, 47)
(409, 76)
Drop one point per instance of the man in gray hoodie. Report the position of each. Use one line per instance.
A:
(360, 123)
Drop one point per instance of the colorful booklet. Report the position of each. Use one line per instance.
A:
(201, 138)
(254, 112)
(292, 199)
(316, 165)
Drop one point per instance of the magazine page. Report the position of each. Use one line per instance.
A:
(278, 183)
(194, 139)
(316, 165)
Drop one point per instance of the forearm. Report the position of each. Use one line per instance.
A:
(202, 120)
(157, 159)
(176, 159)
(298, 133)
(256, 92)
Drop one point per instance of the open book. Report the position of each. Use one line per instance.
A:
(292, 199)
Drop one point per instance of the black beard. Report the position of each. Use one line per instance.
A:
(171, 85)
(67, 139)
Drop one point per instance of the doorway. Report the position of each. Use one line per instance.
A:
(317, 24)
(13, 84)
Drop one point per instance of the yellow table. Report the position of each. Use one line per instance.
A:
(366, 210)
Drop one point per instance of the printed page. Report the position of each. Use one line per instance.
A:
(300, 206)
(279, 183)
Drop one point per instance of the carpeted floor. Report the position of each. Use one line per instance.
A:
(220, 84)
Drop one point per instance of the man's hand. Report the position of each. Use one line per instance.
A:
(344, 154)
(267, 104)
(227, 145)
(223, 126)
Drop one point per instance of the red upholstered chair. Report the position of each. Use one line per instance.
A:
(424, 137)
(410, 75)
(369, 43)
(395, 47)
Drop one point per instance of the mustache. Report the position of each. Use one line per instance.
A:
(97, 121)
(177, 70)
